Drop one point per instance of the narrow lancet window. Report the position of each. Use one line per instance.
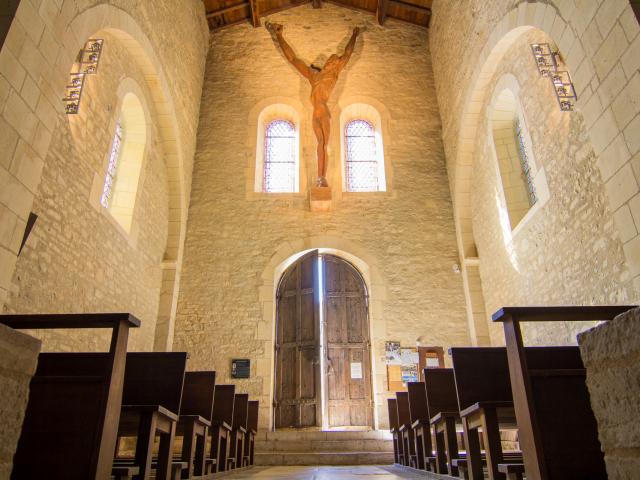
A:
(361, 160)
(524, 162)
(280, 144)
(112, 167)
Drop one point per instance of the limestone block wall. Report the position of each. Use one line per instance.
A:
(238, 241)
(598, 40)
(567, 250)
(19, 353)
(36, 57)
(78, 258)
(611, 354)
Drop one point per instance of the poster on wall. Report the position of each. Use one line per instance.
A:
(409, 356)
(392, 353)
(409, 373)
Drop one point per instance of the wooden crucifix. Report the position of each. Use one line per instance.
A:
(322, 81)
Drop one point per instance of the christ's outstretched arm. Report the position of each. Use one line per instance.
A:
(302, 67)
(348, 50)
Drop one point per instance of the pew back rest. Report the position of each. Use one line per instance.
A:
(566, 422)
(154, 378)
(481, 374)
(418, 409)
(553, 358)
(440, 385)
(223, 404)
(392, 405)
(240, 410)
(197, 394)
(64, 416)
(252, 416)
(402, 400)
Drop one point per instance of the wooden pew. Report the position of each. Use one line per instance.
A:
(69, 429)
(485, 401)
(151, 401)
(406, 433)
(252, 429)
(442, 403)
(394, 425)
(195, 420)
(239, 429)
(557, 429)
(221, 421)
(419, 413)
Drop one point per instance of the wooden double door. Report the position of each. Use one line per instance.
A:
(322, 330)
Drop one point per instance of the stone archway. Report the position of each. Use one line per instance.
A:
(614, 145)
(72, 29)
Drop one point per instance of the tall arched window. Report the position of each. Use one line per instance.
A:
(364, 171)
(280, 144)
(125, 162)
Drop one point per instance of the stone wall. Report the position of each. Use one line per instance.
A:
(567, 250)
(611, 354)
(35, 60)
(594, 184)
(78, 258)
(403, 239)
(19, 353)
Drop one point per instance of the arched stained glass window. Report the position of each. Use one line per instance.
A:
(361, 159)
(112, 167)
(279, 157)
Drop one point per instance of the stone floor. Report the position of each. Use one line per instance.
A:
(357, 472)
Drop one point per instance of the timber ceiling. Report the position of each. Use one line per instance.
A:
(221, 13)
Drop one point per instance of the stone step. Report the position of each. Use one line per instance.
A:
(346, 445)
(324, 458)
(324, 435)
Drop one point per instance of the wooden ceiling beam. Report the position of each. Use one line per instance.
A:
(381, 12)
(230, 8)
(255, 13)
(411, 7)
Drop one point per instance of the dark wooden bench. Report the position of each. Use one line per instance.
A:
(442, 403)
(221, 421)
(394, 425)
(404, 428)
(69, 429)
(124, 472)
(557, 429)
(252, 430)
(239, 429)
(485, 402)
(151, 400)
(419, 413)
(195, 420)
(513, 471)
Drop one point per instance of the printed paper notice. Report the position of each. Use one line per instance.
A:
(356, 370)
(433, 362)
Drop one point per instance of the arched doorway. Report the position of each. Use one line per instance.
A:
(322, 347)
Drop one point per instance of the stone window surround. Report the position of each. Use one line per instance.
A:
(509, 82)
(376, 112)
(127, 86)
(262, 113)
(367, 112)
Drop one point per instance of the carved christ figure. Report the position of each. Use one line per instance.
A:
(322, 81)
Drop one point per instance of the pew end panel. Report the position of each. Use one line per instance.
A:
(533, 417)
(65, 384)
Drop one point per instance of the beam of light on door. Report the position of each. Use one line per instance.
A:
(323, 371)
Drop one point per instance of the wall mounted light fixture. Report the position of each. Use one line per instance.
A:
(549, 63)
(86, 64)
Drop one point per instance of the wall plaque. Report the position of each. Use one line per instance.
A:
(240, 368)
